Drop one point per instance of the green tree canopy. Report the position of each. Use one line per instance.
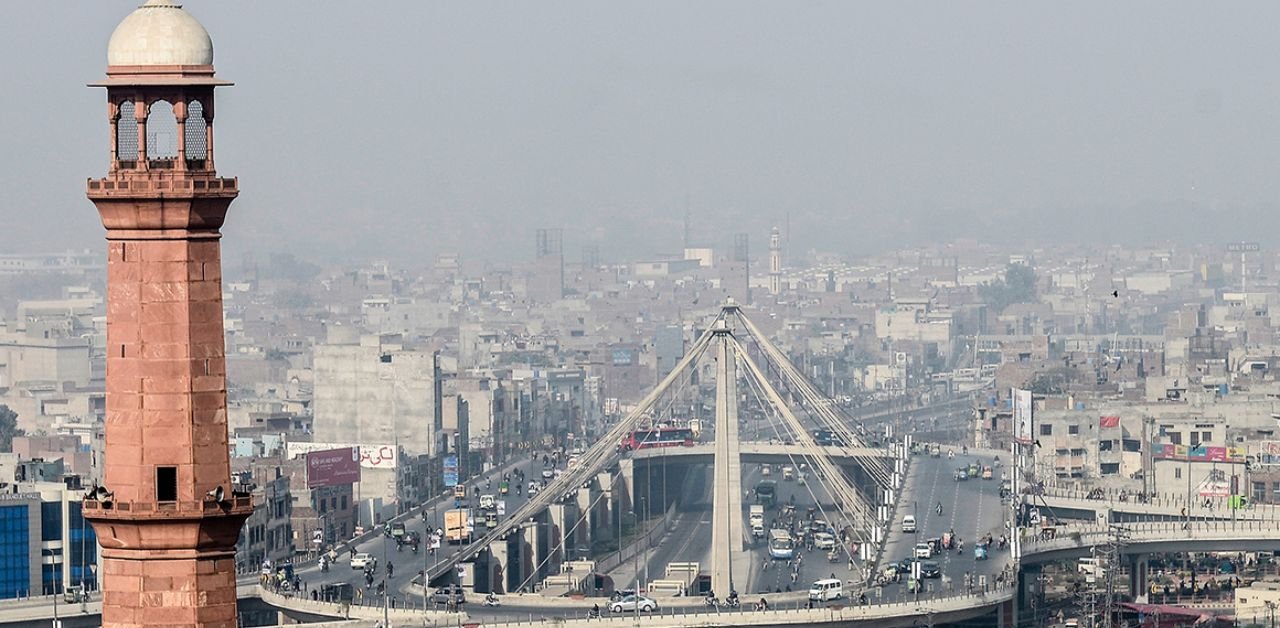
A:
(1017, 286)
(8, 428)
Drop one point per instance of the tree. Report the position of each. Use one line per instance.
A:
(1017, 286)
(8, 428)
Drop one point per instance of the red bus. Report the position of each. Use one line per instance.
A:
(659, 437)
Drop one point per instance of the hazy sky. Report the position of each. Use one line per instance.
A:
(403, 129)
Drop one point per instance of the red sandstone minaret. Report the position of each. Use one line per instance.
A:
(165, 515)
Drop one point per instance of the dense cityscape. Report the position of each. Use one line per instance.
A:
(735, 428)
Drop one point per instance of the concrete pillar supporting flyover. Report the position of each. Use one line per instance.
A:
(727, 529)
(1139, 566)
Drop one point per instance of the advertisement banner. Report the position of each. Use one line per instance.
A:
(1215, 484)
(334, 467)
(1022, 420)
(371, 456)
(1269, 453)
(450, 471)
(1109, 422)
(1202, 453)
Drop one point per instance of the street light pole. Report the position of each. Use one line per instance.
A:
(644, 505)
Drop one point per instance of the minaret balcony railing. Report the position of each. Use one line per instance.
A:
(131, 510)
(160, 182)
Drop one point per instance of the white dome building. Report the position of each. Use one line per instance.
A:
(160, 33)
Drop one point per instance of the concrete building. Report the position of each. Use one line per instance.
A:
(47, 547)
(268, 533)
(375, 393)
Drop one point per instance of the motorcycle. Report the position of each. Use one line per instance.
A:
(492, 601)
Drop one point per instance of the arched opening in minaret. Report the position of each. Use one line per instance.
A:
(162, 135)
(127, 135)
(194, 134)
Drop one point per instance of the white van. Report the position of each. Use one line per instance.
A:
(909, 523)
(824, 590)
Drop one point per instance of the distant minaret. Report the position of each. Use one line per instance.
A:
(775, 262)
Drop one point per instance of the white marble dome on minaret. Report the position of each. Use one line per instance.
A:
(160, 33)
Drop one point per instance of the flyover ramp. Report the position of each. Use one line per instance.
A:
(1072, 503)
(1155, 537)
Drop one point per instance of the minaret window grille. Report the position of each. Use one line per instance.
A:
(127, 135)
(196, 149)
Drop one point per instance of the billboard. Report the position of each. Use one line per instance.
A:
(1198, 453)
(1022, 415)
(371, 456)
(451, 471)
(1214, 484)
(333, 467)
(1269, 453)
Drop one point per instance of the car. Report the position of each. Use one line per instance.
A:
(818, 525)
(987, 473)
(962, 475)
(363, 560)
(903, 566)
(922, 550)
(632, 603)
(533, 488)
(450, 594)
(824, 541)
(547, 474)
(909, 523)
(930, 569)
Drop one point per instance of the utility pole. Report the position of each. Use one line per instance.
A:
(1116, 540)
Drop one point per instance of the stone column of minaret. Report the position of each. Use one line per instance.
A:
(165, 514)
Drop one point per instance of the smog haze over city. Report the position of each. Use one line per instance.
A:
(845, 314)
(400, 129)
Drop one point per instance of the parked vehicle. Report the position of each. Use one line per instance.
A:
(449, 595)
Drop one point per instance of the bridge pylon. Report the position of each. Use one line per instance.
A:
(727, 538)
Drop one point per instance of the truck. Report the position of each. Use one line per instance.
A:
(767, 493)
(756, 521)
(457, 525)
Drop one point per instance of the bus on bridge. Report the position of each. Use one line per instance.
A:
(658, 437)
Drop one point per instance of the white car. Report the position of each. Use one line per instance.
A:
(631, 603)
(547, 474)
(533, 489)
(362, 560)
(824, 541)
(922, 551)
